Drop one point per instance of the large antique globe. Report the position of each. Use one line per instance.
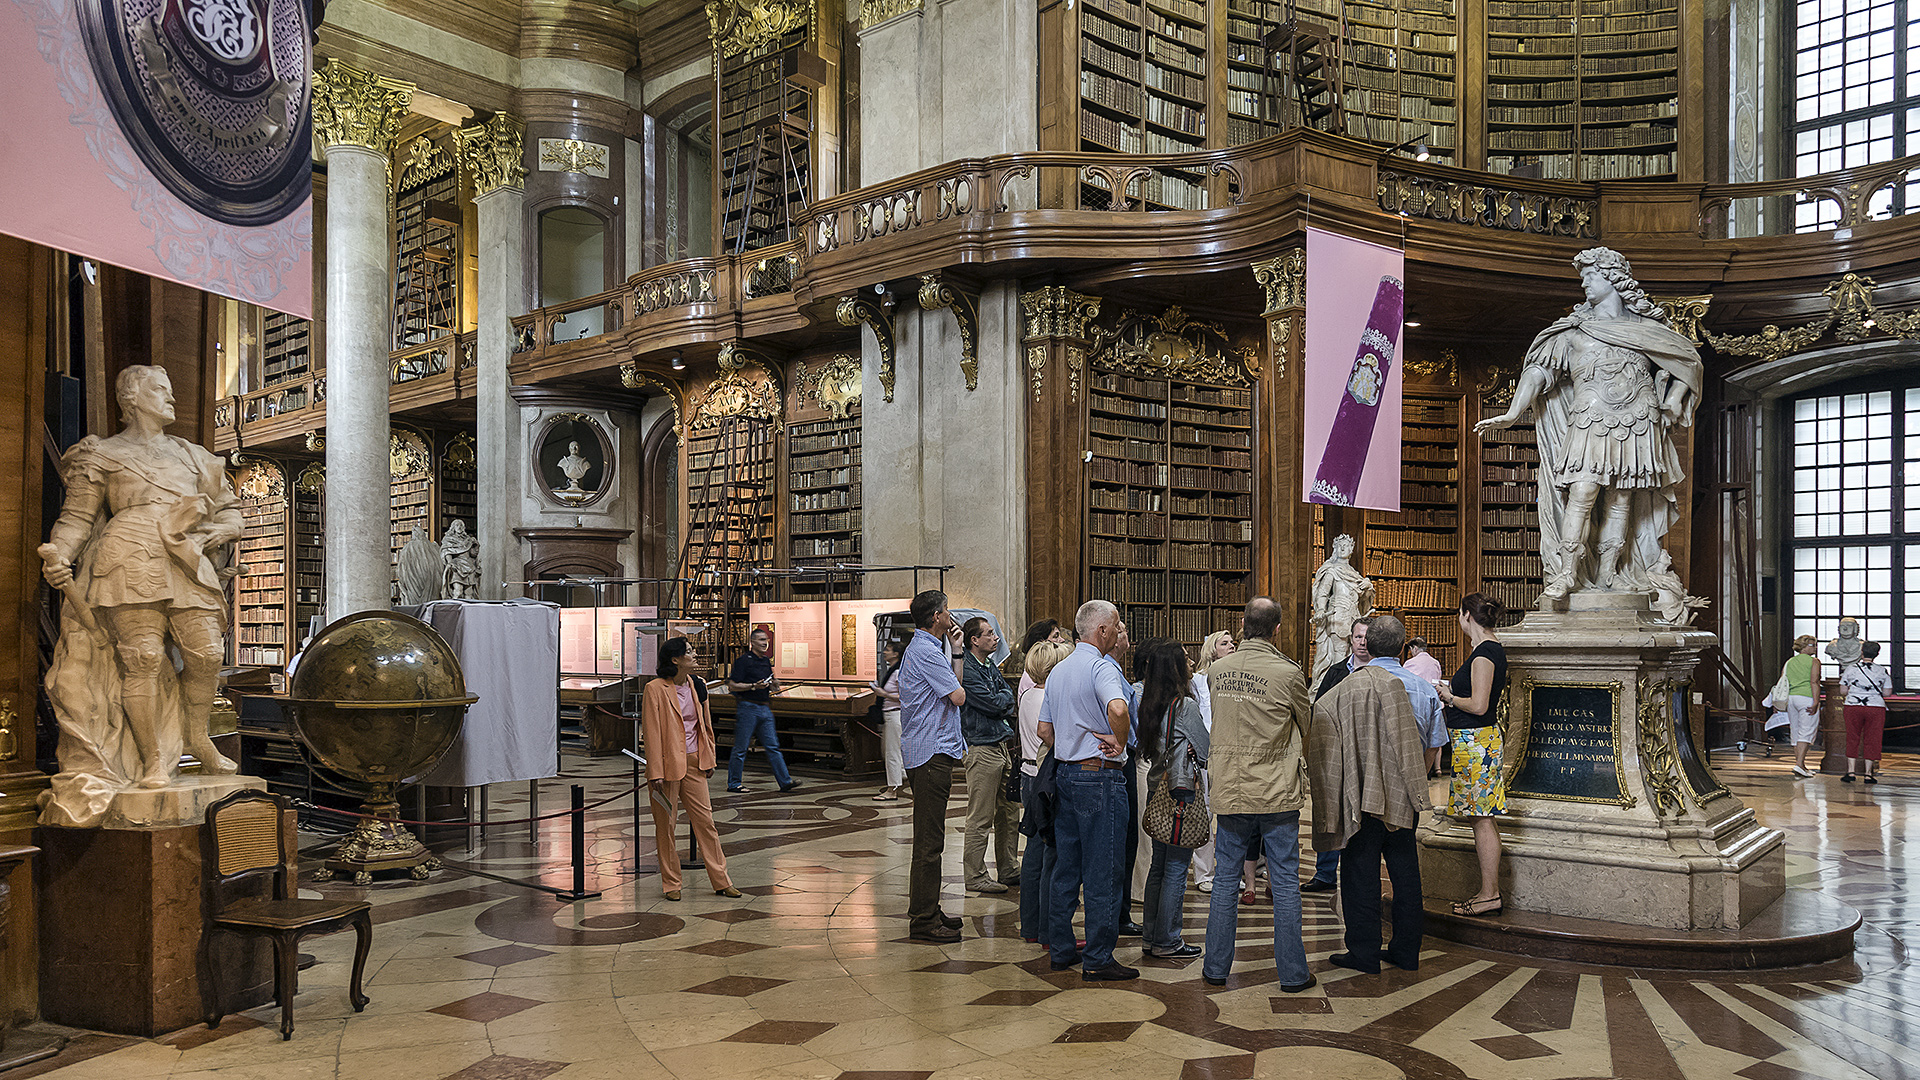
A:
(378, 697)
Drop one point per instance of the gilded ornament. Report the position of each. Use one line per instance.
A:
(1446, 369)
(835, 386)
(426, 162)
(1172, 345)
(355, 108)
(461, 459)
(633, 378)
(493, 152)
(1279, 340)
(1076, 365)
(875, 12)
(1036, 366)
(408, 456)
(1057, 311)
(1657, 761)
(1851, 316)
(1684, 313)
(9, 742)
(856, 309)
(935, 294)
(1284, 278)
(746, 387)
(316, 441)
(753, 26)
(574, 156)
(261, 480)
(313, 479)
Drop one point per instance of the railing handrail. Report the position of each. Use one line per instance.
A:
(1839, 182)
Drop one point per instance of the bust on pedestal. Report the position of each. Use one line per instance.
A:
(1613, 812)
(138, 553)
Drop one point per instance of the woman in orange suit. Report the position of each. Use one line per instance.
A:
(678, 729)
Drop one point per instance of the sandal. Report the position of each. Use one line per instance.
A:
(886, 795)
(1873, 778)
(1489, 906)
(1847, 779)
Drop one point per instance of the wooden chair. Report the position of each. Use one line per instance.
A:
(250, 842)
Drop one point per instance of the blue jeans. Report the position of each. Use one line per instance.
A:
(1089, 838)
(1326, 867)
(1235, 836)
(1166, 892)
(753, 720)
(1036, 874)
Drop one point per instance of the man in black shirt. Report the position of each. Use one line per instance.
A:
(753, 685)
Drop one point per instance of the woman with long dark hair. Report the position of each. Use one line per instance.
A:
(677, 725)
(1170, 727)
(1472, 700)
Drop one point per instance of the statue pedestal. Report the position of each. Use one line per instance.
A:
(1612, 810)
(121, 918)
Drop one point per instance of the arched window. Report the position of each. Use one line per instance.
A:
(573, 264)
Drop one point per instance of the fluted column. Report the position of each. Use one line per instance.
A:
(355, 118)
(493, 153)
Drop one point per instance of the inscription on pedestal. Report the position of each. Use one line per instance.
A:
(1572, 746)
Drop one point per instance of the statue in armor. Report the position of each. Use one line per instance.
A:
(1608, 386)
(462, 573)
(1341, 597)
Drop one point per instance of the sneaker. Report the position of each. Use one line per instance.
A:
(1205, 886)
(736, 790)
(1298, 988)
(1803, 774)
(886, 795)
(1178, 952)
(1318, 885)
(987, 886)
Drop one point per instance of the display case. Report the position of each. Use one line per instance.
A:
(822, 727)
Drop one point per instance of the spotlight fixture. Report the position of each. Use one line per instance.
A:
(1412, 324)
(677, 362)
(1418, 145)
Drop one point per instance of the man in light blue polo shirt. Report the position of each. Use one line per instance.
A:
(930, 746)
(1428, 712)
(1086, 720)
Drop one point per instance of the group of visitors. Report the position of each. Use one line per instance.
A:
(1233, 747)
(1865, 684)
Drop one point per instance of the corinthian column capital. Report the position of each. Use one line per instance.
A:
(493, 152)
(356, 108)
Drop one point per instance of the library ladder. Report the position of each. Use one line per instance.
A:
(716, 549)
(1301, 57)
(776, 177)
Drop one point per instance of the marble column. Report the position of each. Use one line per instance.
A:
(493, 154)
(355, 118)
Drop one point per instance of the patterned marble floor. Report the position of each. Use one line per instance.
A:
(810, 976)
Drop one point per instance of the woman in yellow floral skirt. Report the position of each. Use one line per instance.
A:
(1472, 702)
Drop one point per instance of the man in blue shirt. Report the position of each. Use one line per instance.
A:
(1428, 712)
(1086, 720)
(753, 685)
(930, 746)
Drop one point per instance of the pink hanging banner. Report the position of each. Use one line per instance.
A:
(170, 137)
(1356, 304)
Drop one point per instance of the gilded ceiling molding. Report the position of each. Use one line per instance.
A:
(875, 12)
(1684, 313)
(1172, 345)
(355, 108)
(835, 386)
(1284, 278)
(426, 161)
(936, 294)
(753, 26)
(1057, 311)
(747, 387)
(494, 152)
(1851, 316)
(633, 378)
(856, 309)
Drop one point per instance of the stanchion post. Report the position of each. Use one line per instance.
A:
(579, 817)
(641, 790)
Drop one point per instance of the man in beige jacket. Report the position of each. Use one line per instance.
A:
(1259, 784)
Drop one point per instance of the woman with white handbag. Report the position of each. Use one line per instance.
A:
(1800, 681)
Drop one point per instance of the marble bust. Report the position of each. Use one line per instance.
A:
(460, 567)
(422, 569)
(1341, 595)
(139, 553)
(574, 466)
(1845, 649)
(1608, 386)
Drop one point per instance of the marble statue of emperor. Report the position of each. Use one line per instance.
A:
(1608, 386)
(134, 552)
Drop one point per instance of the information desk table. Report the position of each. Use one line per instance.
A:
(598, 699)
(822, 727)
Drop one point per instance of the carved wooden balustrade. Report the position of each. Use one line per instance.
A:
(1858, 196)
(1489, 200)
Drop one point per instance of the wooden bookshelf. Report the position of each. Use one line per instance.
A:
(753, 91)
(1170, 504)
(823, 491)
(309, 548)
(427, 246)
(1145, 87)
(1509, 546)
(712, 483)
(1583, 89)
(459, 488)
(285, 353)
(412, 479)
(261, 608)
(1399, 78)
(1414, 556)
